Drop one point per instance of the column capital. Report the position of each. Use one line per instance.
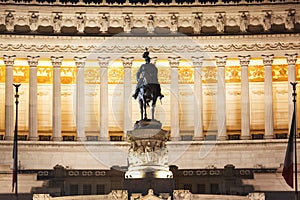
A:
(244, 60)
(197, 61)
(174, 61)
(9, 60)
(291, 58)
(268, 59)
(153, 60)
(56, 61)
(33, 61)
(103, 61)
(80, 61)
(221, 61)
(127, 61)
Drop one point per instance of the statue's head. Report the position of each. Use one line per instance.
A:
(146, 56)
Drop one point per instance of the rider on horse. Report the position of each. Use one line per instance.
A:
(147, 75)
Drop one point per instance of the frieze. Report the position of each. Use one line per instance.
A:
(116, 74)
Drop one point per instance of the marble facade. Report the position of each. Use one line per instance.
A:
(224, 71)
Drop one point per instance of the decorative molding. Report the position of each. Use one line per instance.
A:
(67, 48)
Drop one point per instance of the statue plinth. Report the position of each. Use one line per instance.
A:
(148, 151)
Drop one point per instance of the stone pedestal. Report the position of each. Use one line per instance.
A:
(148, 151)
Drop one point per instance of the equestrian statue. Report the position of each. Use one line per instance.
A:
(147, 88)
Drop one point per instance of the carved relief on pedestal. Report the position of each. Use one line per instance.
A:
(148, 150)
(118, 195)
(182, 195)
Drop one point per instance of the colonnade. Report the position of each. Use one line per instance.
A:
(127, 64)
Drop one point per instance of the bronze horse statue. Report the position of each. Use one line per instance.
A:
(148, 93)
(148, 88)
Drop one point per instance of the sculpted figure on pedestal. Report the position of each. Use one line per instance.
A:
(33, 21)
(150, 24)
(267, 21)
(10, 21)
(290, 20)
(104, 23)
(80, 23)
(220, 23)
(197, 23)
(57, 19)
(244, 22)
(174, 23)
(127, 23)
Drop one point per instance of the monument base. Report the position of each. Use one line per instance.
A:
(141, 185)
(148, 152)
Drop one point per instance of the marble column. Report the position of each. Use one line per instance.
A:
(291, 60)
(221, 98)
(174, 93)
(245, 98)
(33, 115)
(127, 63)
(80, 98)
(269, 116)
(198, 101)
(103, 63)
(9, 96)
(56, 98)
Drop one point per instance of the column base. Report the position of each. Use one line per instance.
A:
(221, 138)
(104, 139)
(175, 138)
(81, 139)
(198, 138)
(57, 139)
(268, 136)
(8, 138)
(245, 137)
(33, 138)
